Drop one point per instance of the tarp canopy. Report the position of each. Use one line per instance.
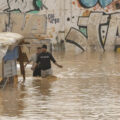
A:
(8, 40)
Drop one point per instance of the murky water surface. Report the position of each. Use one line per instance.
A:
(87, 88)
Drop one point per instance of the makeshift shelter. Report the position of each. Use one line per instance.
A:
(10, 53)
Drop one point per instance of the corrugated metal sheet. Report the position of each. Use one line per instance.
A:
(10, 68)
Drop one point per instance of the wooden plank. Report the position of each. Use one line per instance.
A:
(20, 59)
(15, 81)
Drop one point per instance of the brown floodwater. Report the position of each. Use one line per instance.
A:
(87, 88)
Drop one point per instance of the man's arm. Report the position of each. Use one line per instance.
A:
(54, 61)
(34, 66)
(60, 66)
(36, 63)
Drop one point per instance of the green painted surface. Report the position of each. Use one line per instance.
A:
(83, 31)
(39, 3)
(34, 12)
(16, 11)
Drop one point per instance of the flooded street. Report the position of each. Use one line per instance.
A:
(87, 88)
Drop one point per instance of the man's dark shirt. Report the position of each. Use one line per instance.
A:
(44, 60)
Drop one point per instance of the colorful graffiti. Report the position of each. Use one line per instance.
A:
(92, 3)
(102, 34)
(21, 5)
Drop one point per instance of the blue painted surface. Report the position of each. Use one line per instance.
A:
(104, 3)
(92, 3)
(11, 54)
(89, 3)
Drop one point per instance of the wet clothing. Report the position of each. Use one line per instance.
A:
(45, 73)
(37, 71)
(45, 59)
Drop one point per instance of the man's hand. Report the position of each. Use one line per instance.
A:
(60, 66)
(34, 66)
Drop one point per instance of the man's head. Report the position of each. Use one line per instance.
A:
(44, 48)
(38, 50)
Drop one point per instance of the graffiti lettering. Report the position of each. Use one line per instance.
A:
(101, 34)
(20, 5)
(92, 3)
(52, 19)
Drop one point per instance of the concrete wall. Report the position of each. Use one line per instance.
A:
(97, 24)
(82, 24)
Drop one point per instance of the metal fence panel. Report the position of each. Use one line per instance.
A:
(10, 68)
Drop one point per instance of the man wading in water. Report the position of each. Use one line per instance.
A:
(37, 69)
(44, 59)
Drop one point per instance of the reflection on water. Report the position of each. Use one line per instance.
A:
(87, 88)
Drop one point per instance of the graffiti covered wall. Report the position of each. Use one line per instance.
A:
(81, 24)
(32, 18)
(20, 5)
(97, 24)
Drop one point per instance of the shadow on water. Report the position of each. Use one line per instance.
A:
(12, 100)
(43, 85)
(11, 103)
